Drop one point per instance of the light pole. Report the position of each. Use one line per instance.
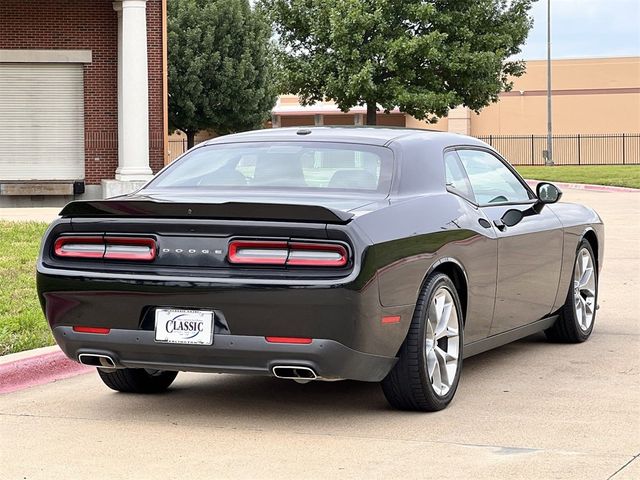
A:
(549, 159)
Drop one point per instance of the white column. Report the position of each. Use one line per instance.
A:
(133, 91)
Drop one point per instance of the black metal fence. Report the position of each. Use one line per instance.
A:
(590, 149)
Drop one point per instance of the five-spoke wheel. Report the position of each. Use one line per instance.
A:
(442, 343)
(584, 289)
(429, 362)
(577, 316)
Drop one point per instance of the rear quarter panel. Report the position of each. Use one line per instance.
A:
(412, 236)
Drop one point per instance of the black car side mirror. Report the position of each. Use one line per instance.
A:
(548, 193)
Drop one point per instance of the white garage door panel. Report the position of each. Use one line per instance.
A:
(41, 122)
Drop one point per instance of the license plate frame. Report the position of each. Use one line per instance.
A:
(184, 326)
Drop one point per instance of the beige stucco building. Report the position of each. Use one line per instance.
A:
(596, 114)
(594, 95)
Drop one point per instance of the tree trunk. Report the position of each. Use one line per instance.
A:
(191, 139)
(372, 110)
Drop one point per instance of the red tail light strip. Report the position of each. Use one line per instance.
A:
(109, 248)
(317, 254)
(79, 247)
(123, 248)
(259, 252)
(255, 252)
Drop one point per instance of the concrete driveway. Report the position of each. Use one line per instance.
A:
(528, 410)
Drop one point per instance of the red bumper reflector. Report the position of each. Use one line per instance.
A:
(98, 330)
(298, 340)
(391, 319)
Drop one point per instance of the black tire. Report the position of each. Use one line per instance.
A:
(408, 386)
(137, 380)
(567, 329)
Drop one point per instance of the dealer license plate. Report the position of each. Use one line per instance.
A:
(191, 327)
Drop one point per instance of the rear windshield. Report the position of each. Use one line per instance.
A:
(311, 166)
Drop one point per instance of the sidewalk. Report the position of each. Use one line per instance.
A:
(31, 214)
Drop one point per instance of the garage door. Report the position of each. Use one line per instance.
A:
(41, 122)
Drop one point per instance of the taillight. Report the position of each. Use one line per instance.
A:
(258, 252)
(109, 248)
(254, 252)
(317, 254)
(124, 248)
(79, 247)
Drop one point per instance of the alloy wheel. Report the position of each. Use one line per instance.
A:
(442, 342)
(584, 289)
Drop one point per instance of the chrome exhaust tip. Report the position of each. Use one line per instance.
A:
(294, 372)
(96, 360)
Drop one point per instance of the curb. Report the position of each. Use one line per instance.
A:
(36, 367)
(586, 186)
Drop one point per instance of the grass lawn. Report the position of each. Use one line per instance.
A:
(22, 324)
(617, 175)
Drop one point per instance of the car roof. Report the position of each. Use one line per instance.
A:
(366, 134)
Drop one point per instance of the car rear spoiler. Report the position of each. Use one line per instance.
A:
(227, 210)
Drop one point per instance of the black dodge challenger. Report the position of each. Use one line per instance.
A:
(374, 254)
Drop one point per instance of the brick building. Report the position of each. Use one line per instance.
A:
(82, 98)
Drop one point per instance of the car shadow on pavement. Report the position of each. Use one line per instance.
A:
(264, 399)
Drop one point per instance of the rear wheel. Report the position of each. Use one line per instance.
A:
(137, 380)
(426, 376)
(578, 314)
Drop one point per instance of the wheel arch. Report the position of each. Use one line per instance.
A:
(458, 275)
(590, 236)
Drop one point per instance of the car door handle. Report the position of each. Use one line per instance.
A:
(500, 225)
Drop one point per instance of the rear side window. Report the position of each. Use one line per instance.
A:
(491, 180)
(283, 166)
(456, 177)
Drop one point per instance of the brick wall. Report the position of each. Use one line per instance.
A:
(156, 98)
(91, 25)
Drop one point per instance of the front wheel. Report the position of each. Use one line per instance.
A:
(578, 314)
(137, 380)
(426, 376)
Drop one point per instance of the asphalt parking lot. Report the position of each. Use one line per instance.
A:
(528, 410)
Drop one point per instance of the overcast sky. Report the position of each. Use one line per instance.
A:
(585, 28)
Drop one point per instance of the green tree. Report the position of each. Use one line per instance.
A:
(220, 66)
(423, 56)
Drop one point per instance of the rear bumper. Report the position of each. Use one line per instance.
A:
(329, 359)
(348, 314)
